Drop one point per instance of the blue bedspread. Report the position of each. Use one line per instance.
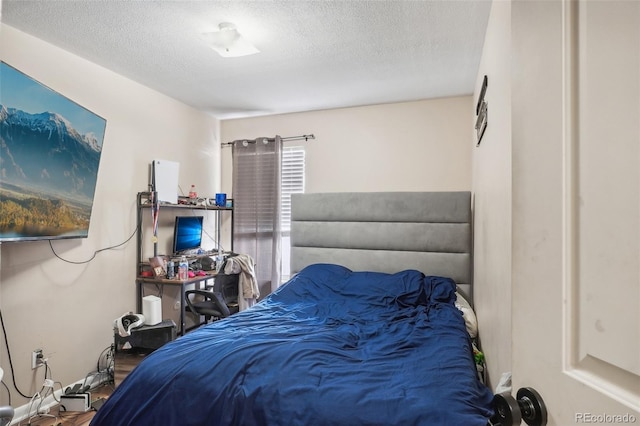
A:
(331, 347)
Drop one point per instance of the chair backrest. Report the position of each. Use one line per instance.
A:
(227, 286)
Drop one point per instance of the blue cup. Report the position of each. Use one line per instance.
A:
(221, 200)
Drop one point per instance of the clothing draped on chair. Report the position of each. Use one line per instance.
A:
(257, 170)
(248, 290)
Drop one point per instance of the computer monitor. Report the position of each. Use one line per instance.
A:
(187, 233)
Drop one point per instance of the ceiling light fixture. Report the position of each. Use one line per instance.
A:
(228, 42)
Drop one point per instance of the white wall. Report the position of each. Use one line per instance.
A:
(412, 146)
(68, 309)
(492, 197)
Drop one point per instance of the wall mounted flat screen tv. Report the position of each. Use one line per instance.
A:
(187, 233)
(50, 150)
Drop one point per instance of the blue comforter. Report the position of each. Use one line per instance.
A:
(330, 347)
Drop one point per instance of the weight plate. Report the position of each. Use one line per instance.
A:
(534, 411)
(507, 410)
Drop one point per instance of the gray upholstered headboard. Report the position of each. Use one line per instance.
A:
(385, 232)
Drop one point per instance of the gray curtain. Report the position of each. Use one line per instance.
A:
(257, 171)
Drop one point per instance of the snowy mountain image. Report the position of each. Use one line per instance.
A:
(48, 167)
(44, 153)
(50, 150)
(48, 173)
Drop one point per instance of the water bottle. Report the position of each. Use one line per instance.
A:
(183, 268)
(192, 193)
(219, 260)
(171, 272)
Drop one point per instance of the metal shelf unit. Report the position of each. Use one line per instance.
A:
(144, 202)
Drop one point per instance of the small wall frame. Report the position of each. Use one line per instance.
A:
(481, 112)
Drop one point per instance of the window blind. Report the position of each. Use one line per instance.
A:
(293, 158)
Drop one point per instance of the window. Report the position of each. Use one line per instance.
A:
(292, 183)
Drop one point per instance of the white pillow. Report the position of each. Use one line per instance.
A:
(469, 316)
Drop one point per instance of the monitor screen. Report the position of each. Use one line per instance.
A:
(187, 233)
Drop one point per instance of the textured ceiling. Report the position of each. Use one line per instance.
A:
(314, 54)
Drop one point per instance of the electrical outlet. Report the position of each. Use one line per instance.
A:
(37, 358)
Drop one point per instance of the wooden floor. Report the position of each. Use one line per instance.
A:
(57, 418)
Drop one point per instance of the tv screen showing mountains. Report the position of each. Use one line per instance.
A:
(50, 151)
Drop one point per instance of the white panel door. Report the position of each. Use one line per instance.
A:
(576, 208)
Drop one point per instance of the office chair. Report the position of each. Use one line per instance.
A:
(227, 286)
(6, 411)
(217, 302)
(6, 415)
(211, 305)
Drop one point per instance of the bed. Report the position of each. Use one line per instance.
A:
(367, 331)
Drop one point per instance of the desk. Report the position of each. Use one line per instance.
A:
(197, 281)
